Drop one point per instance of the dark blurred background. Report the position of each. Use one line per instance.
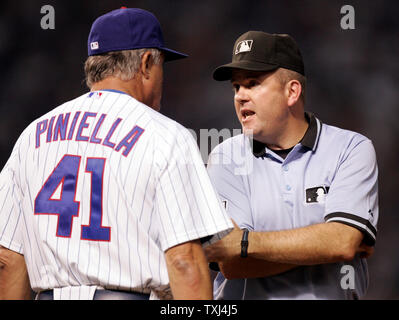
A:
(352, 76)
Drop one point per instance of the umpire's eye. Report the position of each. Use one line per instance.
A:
(252, 83)
(236, 87)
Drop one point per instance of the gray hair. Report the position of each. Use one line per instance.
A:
(121, 64)
(286, 75)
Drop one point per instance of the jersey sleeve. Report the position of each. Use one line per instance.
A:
(230, 185)
(187, 205)
(353, 195)
(10, 213)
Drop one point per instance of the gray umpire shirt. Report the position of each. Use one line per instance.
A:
(330, 175)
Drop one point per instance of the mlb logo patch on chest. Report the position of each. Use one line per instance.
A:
(316, 194)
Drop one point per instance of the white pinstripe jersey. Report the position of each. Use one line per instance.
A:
(97, 189)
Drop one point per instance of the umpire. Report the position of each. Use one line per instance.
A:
(306, 194)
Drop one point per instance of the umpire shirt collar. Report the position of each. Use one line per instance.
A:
(309, 140)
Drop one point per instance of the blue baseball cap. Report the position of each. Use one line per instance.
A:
(128, 29)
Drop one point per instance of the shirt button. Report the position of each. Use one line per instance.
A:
(288, 187)
(285, 168)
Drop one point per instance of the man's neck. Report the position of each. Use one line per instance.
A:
(293, 133)
(130, 87)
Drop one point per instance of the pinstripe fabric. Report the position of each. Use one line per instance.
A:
(155, 195)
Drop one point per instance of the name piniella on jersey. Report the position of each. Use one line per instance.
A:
(78, 127)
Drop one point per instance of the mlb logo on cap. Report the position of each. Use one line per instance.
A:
(94, 45)
(244, 46)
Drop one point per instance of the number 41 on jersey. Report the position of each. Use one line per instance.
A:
(65, 178)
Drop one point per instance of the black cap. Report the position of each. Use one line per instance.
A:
(261, 51)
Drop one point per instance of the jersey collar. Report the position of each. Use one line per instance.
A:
(311, 137)
(113, 90)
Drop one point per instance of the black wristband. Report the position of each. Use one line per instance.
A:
(244, 244)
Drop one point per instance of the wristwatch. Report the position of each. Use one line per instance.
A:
(244, 243)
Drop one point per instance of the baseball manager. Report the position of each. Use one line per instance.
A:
(103, 197)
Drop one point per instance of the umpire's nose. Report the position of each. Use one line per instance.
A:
(241, 95)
